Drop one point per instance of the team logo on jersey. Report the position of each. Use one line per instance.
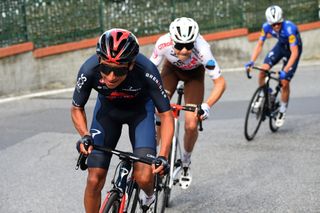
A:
(81, 80)
(95, 132)
(119, 95)
(163, 45)
(292, 39)
(155, 79)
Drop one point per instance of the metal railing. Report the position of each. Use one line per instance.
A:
(50, 22)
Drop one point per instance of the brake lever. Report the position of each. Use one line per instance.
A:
(248, 74)
(199, 113)
(81, 162)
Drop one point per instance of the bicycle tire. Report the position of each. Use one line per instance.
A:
(112, 203)
(254, 115)
(133, 197)
(273, 117)
(162, 196)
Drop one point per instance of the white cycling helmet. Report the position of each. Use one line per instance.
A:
(274, 14)
(184, 30)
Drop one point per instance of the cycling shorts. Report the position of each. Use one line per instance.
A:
(280, 51)
(107, 125)
(193, 82)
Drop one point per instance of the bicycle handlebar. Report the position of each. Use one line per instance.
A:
(268, 72)
(150, 159)
(176, 108)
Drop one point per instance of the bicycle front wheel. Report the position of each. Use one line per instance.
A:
(163, 194)
(111, 203)
(255, 114)
(133, 197)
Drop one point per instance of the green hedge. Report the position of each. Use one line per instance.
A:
(49, 22)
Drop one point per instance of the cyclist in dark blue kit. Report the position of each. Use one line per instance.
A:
(129, 89)
(288, 47)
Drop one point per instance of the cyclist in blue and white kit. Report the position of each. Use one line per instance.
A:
(288, 47)
(186, 57)
(129, 89)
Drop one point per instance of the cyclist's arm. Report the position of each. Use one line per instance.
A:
(257, 50)
(217, 91)
(79, 120)
(166, 132)
(293, 57)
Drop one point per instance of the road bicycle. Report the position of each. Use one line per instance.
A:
(174, 176)
(124, 195)
(268, 107)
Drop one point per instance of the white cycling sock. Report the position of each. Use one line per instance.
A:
(283, 107)
(186, 156)
(145, 199)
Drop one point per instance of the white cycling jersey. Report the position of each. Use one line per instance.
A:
(201, 55)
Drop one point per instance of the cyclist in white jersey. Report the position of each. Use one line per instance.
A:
(187, 56)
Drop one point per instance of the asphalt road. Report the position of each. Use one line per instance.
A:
(276, 172)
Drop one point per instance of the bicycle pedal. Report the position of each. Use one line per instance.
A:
(185, 178)
(178, 163)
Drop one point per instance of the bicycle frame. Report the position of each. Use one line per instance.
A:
(121, 174)
(175, 146)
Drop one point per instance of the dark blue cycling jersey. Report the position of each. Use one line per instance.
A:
(288, 35)
(131, 103)
(141, 84)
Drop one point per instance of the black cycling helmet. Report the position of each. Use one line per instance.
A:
(118, 46)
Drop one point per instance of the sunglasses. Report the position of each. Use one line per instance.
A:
(118, 71)
(275, 24)
(180, 46)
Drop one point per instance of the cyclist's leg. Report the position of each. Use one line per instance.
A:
(142, 136)
(285, 89)
(170, 81)
(193, 94)
(104, 131)
(286, 82)
(169, 77)
(271, 59)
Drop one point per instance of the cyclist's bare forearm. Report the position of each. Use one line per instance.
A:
(79, 120)
(257, 50)
(217, 91)
(166, 129)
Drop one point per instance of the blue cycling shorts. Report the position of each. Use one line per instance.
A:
(281, 51)
(107, 125)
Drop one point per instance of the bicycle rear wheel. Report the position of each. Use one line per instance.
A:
(273, 117)
(111, 203)
(254, 115)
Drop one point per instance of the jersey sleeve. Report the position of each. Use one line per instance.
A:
(156, 89)
(83, 87)
(158, 51)
(264, 32)
(292, 31)
(209, 62)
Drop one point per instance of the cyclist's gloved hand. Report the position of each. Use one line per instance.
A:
(87, 141)
(282, 75)
(162, 161)
(206, 111)
(249, 65)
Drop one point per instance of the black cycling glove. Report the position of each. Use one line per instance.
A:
(161, 160)
(86, 140)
